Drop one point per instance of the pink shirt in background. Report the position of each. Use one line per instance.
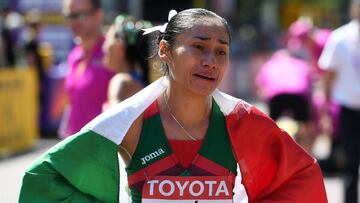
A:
(283, 74)
(86, 92)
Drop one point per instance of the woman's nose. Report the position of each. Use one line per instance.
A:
(209, 60)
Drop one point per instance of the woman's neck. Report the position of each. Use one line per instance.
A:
(124, 66)
(189, 109)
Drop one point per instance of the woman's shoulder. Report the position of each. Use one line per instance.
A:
(229, 104)
(239, 109)
(123, 85)
(126, 80)
(116, 121)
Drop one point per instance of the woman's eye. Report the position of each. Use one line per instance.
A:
(221, 52)
(200, 47)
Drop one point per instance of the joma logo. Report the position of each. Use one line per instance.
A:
(152, 155)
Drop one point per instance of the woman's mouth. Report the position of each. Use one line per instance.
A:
(206, 77)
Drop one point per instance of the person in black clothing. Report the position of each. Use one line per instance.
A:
(6, 38)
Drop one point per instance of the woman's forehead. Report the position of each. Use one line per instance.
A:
(207, 30)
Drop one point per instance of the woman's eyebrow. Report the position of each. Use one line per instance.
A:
(208, 38)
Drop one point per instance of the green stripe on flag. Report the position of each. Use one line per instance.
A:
(83, 168)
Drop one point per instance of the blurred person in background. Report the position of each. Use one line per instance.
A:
(294, 71)
(38, 56)
(10, 23)
(88, 79)
(340, 61)
(30, 36)
(307, 42)
(127, 51)
(284, 82)
(2, 46)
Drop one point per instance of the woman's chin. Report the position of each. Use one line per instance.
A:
(204, 91)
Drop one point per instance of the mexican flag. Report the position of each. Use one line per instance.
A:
(86, 167)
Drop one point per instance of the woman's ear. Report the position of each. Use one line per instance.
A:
(163, 51)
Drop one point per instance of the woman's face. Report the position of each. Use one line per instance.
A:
(84, 20)
(199, 58)
(113, 50)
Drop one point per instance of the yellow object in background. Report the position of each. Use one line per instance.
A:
(19, 123)
(289, 125)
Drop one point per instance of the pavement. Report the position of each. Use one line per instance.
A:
(12, 169)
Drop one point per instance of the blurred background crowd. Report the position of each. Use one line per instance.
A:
(276, 46)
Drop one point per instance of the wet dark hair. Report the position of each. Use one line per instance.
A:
(183, 22)
(137, 46)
